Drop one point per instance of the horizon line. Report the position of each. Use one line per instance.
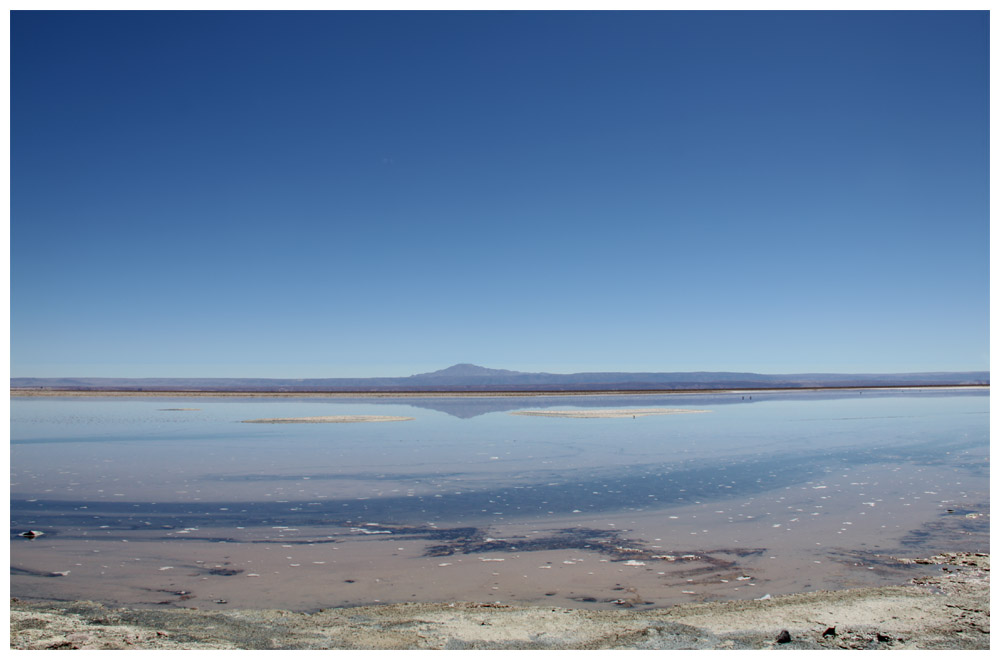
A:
(512, 372)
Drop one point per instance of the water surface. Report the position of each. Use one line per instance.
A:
(175, 502)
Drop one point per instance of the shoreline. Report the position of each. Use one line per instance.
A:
(949, 610)
(408, 394)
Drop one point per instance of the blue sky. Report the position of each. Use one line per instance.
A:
(355, 194)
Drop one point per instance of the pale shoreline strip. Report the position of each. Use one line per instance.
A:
(606, 414)
(31, 392)
(328, 419)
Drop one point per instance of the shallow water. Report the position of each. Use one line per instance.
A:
(175, 502)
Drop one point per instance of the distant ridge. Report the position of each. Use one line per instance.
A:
(473, 378)
(465, 370)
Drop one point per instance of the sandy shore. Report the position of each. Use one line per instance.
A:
(606, 414)
(948, 611)
(329, 419)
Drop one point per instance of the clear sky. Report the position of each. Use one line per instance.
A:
(357, 194)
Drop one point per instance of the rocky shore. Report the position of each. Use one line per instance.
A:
(950, 610)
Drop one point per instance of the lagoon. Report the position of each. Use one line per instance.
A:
(174, 502)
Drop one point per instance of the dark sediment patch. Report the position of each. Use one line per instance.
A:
(606, 542)
(221, 570)
(952, 529)
(294, 541)
(17, 570)
(180, 595)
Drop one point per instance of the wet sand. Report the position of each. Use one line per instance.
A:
(329, 419)
(947, 610)
(605, 413)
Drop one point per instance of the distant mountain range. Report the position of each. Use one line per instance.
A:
(473, 378)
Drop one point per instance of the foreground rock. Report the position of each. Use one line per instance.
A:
(949, 611)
